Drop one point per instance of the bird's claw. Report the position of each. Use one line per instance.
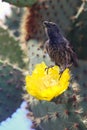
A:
(47, 68)
(61, 72)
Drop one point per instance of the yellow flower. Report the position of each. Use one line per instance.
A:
(46, 86)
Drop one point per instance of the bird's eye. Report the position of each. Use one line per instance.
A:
(54, 25)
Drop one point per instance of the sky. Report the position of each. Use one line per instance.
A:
(18, 120)
(4, 9)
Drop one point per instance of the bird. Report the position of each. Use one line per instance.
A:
(58, 47)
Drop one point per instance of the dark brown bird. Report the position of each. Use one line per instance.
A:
(59, 48)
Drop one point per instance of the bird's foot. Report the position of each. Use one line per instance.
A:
(47, 68)
(61, 72)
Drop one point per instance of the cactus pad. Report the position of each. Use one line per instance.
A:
(58, 11)
(77, 35)
(8, 45)
(11, 90)
(21, 3)
(66, 112)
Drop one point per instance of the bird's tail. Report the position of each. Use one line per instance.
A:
(75, 59)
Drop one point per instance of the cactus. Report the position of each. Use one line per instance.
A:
(67, 112)
(77, 34)
(8, 47)
(56, 11)
(80, 74)
(21, 3)
(13, 21)
(36, 55)
(11, 90)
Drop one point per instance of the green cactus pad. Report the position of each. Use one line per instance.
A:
(55, 116)
(11, 90)
(78, 37)
(80, 75)
(36, 55)
(21, 3)
(66, 112)
(10, 49)
(12, 21)
(58, 11)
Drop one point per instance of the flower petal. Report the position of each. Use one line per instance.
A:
(46, 86)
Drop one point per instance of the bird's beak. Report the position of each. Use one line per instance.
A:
(46, 23)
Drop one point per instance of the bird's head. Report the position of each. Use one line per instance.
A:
(52, 29)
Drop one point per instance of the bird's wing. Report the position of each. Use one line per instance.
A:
(70, 49)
